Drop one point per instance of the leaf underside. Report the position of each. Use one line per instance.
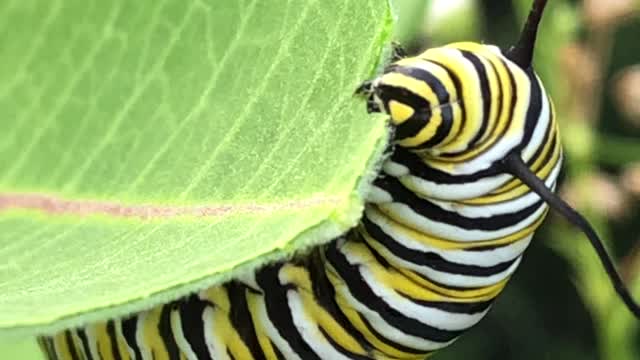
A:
(152, 148)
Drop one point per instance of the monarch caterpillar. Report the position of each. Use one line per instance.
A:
(476, 150)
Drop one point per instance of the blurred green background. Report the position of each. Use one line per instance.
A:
(559, 305)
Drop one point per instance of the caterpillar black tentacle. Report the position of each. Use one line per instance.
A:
(476, 154)
(522, 52)
(514, 165)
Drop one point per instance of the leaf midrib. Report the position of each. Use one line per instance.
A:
(56, 205)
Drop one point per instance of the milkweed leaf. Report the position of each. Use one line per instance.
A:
(152, 148)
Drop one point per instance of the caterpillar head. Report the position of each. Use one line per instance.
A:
(447, 99)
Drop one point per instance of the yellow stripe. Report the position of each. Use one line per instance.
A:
(427, 132)
(389, 277)
(497, 127)
(540, 161)
(477, 294)
(152, 342)
(224, 329)
(400, 112)
(43, 344)
(445, 244)
(418, 87)
(470, 89)
(354, 317)
(123, 348)
(253, 301)
(98, 334)
(299, 276)
(60, 345)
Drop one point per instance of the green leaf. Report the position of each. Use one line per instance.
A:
(615, 150)
(153, 148)
(20, 350)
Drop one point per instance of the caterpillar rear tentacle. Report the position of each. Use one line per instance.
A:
(514, 165)
(443, 230)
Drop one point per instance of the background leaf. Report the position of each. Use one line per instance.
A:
(150, 148)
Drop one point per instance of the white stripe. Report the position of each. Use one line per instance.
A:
(181, 340)
(217, 349)
(394, 169)
(378, 196)
(92, 339)
(542, 124)
(449, 279)
(386, 329)
(145, 350)
(484, 258)
(464, 191)
(504, 207)
(429, 316)
(272, 331)
(309, 329)
(405, 215)
(118, 326)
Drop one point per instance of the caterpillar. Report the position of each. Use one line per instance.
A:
(475, 155)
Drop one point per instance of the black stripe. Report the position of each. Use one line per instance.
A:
(70, 344)
(514, 99)
(382, 261)
(230, 355)
(443, 99)
(533, 111)
(485, 90)
(166, 333)
(430, 210)
(482, 248)
(512, 107)
(412, 126)
(387, 341)
(547, 158)
(452, 307)
(277, 304)
(129, 328)
(192, 324)
(325, 294)
(459, 97)
(445, 286)
(497, 105)
(277, 351)
(419, 168)
(85, 343)
(363, 293)
(528, 128)
(388, 92)
(429, 259)
(549, 135)
(113, 340)
(348, 354)
(47, 346)
(240, 318)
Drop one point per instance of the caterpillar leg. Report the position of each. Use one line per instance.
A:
(366, 90)
(397, 52)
